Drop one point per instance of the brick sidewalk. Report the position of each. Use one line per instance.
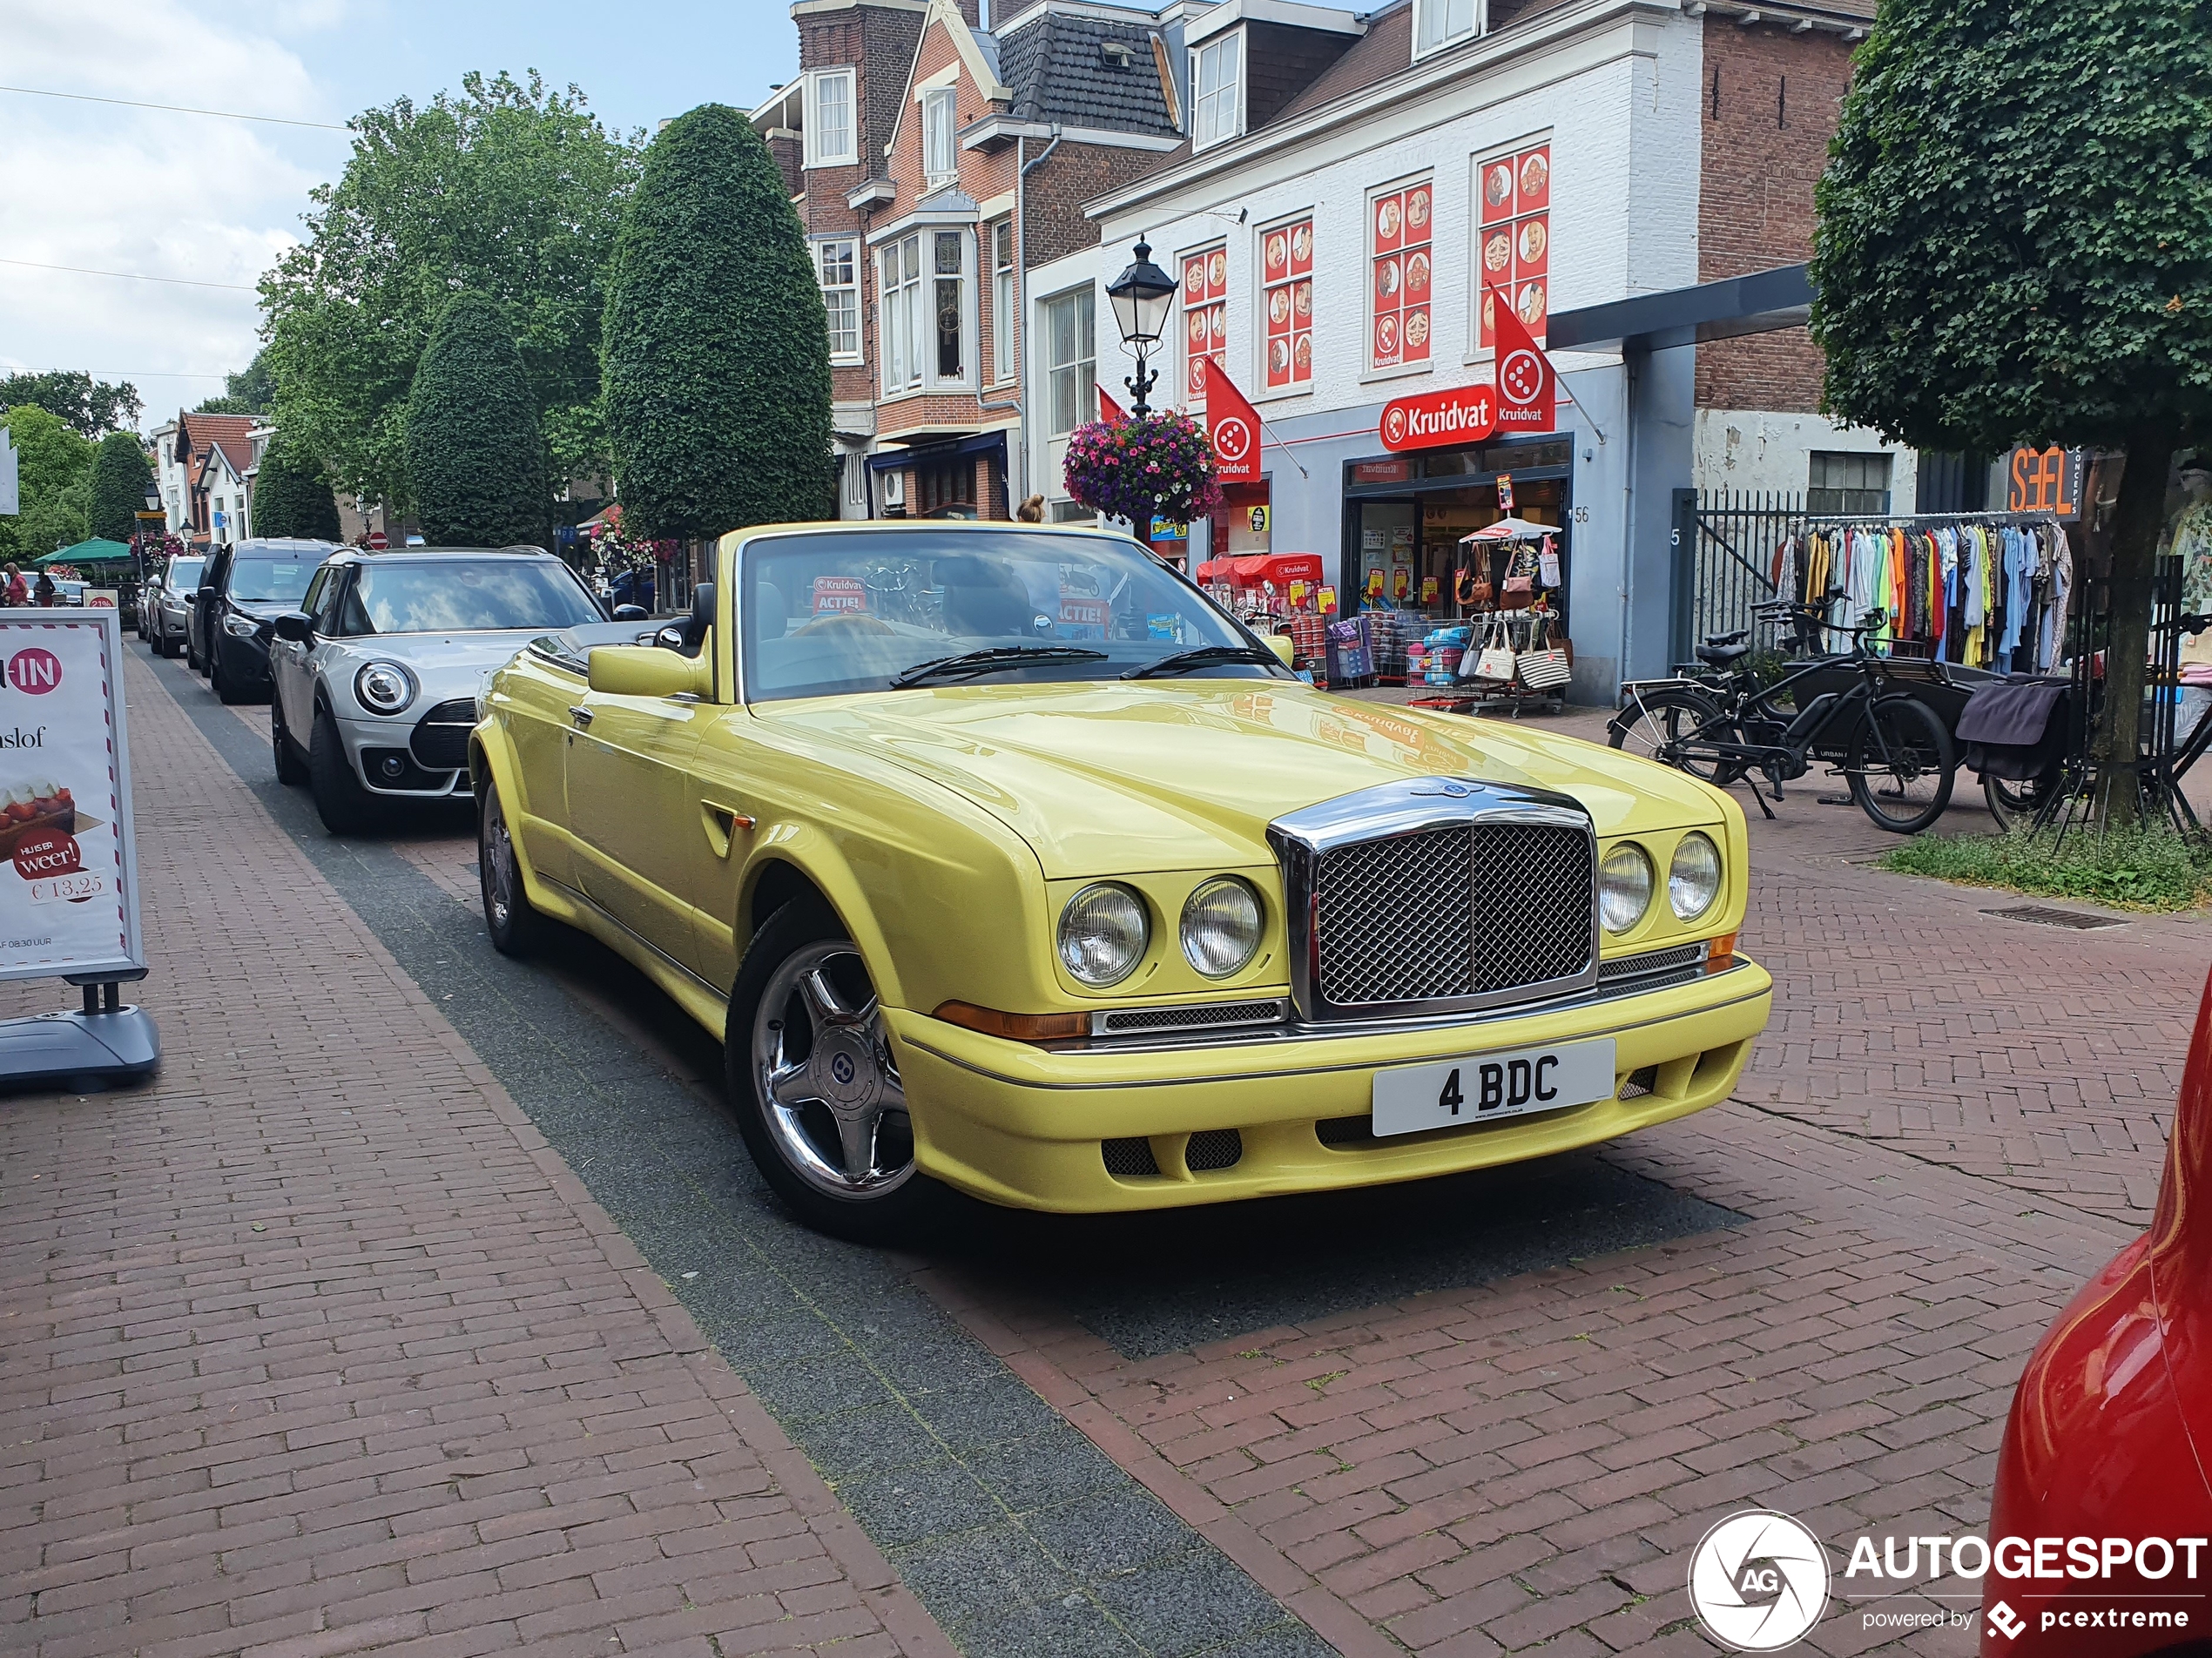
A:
(314, 1347)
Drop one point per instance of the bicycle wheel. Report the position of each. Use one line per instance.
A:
(1901, 764)
(2015, 803)
(1658, 725)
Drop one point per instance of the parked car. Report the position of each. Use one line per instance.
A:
(166, 605)
(376, 672)
(2107, 1432)
(243, 588)
(1002, 857)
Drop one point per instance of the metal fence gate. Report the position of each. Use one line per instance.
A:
(1723, 548)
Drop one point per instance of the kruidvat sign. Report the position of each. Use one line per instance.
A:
(1459, 414)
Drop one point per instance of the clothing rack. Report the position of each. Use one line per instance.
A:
(2036, 515)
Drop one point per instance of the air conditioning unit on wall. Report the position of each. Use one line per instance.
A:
(895, 488)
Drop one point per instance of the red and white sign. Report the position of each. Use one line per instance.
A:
(1431, 420)
(1527, 401)
(377, 543)
(1232, 426)
(35, 670)
(839, 595)
(1108, 408)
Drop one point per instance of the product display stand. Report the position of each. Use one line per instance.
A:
(103, 1042)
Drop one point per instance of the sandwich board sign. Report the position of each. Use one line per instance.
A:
(69, 871)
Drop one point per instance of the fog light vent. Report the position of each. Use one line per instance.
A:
(1640, 1082)
(1130, 1159)
(1214, 1148)
(1345, 1131)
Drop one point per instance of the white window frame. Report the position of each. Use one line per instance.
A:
(1207, 123)
(1083, 303)
(825, 252)
(940, 124)
(899, 314)
(1427, 11)
(907, 313)
(819, 154)
(1005, 361)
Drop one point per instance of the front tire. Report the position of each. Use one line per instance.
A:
(291, 767)
(516, 927)
(815, 1086)
(1901, 764)
(225, 693)
(344, 805)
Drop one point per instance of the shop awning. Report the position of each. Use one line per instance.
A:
(893, 459)
(1510, 530)
(1252, 568)
(1758, 303)
(95, 551)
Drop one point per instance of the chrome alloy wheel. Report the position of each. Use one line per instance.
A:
(498, 855)
(834, 1105)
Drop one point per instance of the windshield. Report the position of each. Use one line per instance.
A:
(826, 614)
(465, 595)
(270, 581)
(183, 574)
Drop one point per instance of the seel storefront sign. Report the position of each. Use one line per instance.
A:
(1432, 420)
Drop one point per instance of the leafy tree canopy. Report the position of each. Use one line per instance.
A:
(292, 494)
(117, 493)
(717, 387)
(2015, 227)
(251, 391)
(90, 406)
(473, 445)
(508, 190)
(53, 470)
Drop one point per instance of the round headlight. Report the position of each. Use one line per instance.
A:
(1694, 880)
(1221, 926)
(1624, 887)
(384, 687)
(1102, 933)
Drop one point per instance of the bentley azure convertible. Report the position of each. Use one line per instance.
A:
(1001, 859)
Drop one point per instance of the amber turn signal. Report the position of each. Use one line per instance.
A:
(1723, 953)
(1021, 1028)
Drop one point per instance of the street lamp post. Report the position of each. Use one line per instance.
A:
(1142, 295)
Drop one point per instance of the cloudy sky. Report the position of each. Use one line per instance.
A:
(213, 201)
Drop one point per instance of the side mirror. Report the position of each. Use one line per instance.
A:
(295, 626)
(648, 671)
(629, 613)
(1280, 644)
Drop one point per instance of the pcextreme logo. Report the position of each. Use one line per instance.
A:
(1758, 1581)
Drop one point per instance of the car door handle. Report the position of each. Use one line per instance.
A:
(581, 716)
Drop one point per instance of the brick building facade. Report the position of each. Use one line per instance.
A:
(933, 165)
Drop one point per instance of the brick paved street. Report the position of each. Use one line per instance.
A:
(304, 1343)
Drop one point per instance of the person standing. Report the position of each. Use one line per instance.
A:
(13, 592)
(45, 595)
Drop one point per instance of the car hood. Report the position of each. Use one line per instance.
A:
(1102, 778)
(444, 665)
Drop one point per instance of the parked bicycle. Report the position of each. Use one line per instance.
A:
(1895, 754)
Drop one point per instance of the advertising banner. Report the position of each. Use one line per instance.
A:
(1232, 426)
(1431, 420)
(1525, 401)
(69, 899)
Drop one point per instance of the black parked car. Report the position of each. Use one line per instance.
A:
(243, 588)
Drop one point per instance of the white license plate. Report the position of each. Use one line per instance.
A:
(1519, 1083)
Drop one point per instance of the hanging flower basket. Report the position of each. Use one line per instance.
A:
(1159, 466)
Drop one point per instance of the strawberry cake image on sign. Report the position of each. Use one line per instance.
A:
(38, 808)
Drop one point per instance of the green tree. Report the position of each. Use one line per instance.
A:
(2015, 246)
(251, 391)
(717, 385)
(53, 472)
(508, 189)
(292, 494)
(90, 407)
(117, 492)
(473, 445)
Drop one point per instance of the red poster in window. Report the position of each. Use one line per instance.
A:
(1512, 246)
(1401, 272)
(1205, 317)
(1286, 306)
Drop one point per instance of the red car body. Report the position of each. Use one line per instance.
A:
(2112, 1418)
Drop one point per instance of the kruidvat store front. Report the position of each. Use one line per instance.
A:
(1347, 246)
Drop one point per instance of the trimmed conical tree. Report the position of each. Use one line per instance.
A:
(2012, 249)
(291, 496)
(716, 345)
(473, 452)
(119, 478)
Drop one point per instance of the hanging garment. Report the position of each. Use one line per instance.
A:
(2054, 611)
(2020, 557)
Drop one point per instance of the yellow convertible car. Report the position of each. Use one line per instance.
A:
(999, 856)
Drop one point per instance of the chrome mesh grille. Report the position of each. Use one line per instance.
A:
(1635, 966)
(1458, 912)
(1194, 1017)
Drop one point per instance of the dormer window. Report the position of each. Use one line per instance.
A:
(940, 164)
(1439, 23)
(1217, 89)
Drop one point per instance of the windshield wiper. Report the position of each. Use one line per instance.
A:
(1205, 655)
(968, 663)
